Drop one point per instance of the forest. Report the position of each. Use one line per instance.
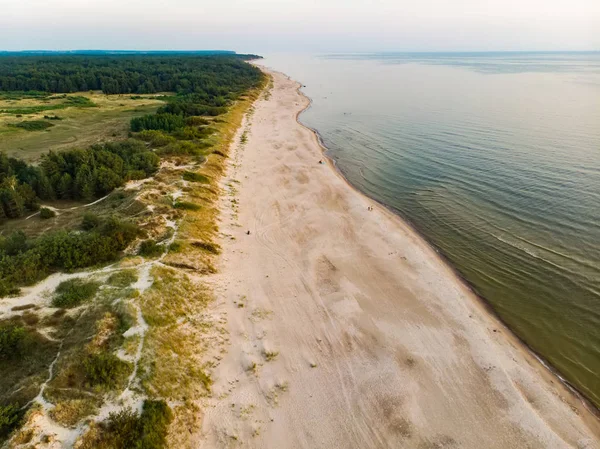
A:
(212, 79)
(205, 85)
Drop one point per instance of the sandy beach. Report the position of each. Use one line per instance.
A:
(346, 330)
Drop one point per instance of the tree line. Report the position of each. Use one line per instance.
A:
(212, 78)
(72, 174)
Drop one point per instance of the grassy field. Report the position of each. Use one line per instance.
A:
(84, 118)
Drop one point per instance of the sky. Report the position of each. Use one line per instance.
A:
(263, 26)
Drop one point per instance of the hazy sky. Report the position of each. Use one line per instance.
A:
(301, 25)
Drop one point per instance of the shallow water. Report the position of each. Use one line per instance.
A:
(495, 159)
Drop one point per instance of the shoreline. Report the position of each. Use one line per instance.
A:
(326, 299)
(547, 367)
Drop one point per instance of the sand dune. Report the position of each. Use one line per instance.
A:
(346, 330)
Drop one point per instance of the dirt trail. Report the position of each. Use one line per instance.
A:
(347, 330)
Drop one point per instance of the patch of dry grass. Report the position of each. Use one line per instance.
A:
(69, 412)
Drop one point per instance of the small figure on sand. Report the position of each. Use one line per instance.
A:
(248, 232)
(320, 161)
(370, 208)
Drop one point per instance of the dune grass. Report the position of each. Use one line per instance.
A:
(73, 292)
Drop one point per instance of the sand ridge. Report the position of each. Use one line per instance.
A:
(346, 330)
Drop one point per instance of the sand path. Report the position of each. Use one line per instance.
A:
(346, 329)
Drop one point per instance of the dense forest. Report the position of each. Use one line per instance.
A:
(212, 78)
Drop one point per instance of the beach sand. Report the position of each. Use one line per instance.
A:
(346, 330)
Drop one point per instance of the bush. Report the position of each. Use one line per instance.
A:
(127, 430)
(90, 221)
(186, 205)
(149, 248)
(10, 417)
(196, 121)
(105, 369)
(12, 339)
(155, 138)
(46, 213)
(33, 125)
(14, 243)
(208, 246)
(23, 262)
(195, 177)
(162, 122)
(122, 278)
(73, 292)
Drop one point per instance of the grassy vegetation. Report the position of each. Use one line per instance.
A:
(24, 261)
(127, 430)
(71, 411)
(62, 102)
(73, 292)
(24, 359)
(10, 418)
(195, 177)
(32, 125)
(46, 213)
(105, 370)
(149, 248)
(122, 278)
(186, 205)
(12, 340)
(108, 120)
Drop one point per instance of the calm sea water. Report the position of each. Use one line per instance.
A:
(495, 159)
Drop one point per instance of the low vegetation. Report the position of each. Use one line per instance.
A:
(105, 370)
(73, 292)
(33, 125)
(24, 261)
(122, 278)
(127, 430)
(12, 340)
(46, 213)
(149, 248)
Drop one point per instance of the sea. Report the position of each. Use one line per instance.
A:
(494, 158)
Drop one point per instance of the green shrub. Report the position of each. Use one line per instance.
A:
(196, 121)
(73, 292)
(195, 177)
(14, 243)
(155, 138)
(10, 417)
(127, 430)
(186, 205)
(122, 278)
(208, 246)
(46, 213)
(175, 247)
(90, 221)
(105, 370)
(33, 125)
(12, 339)
(162, 122)
(149, 248)
(24, 262)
